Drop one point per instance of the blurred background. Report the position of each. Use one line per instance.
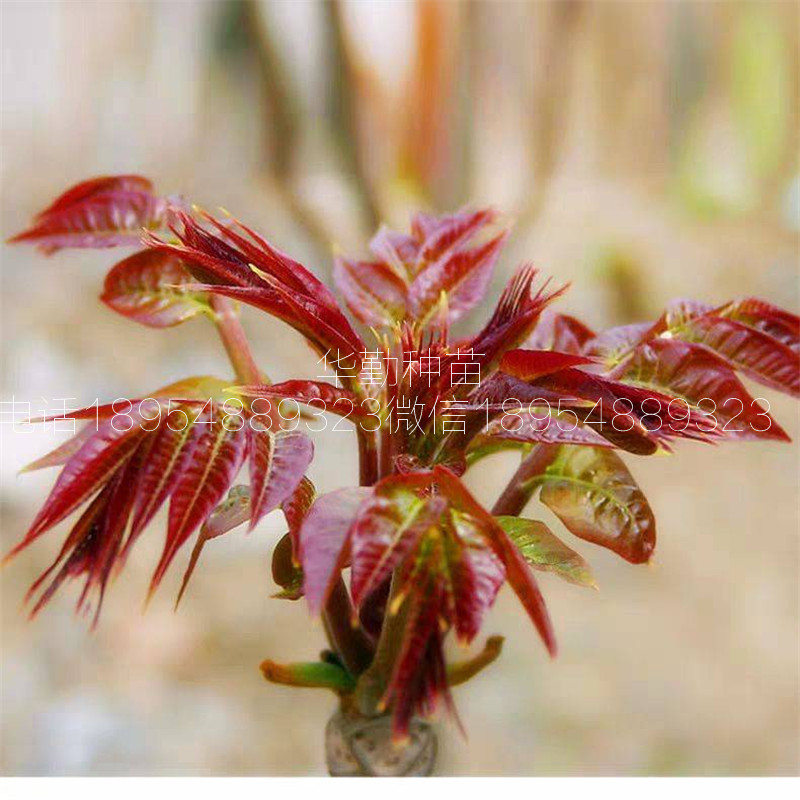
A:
(643, 150)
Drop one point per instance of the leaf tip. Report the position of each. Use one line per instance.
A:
(12, 553)
(178, 599)
(267, 668)
(150, 592)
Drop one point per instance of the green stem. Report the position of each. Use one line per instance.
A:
(235, 341)
(372, 684)
(462, 671)
(346, 636)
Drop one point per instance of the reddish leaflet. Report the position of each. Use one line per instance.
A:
(424, 557)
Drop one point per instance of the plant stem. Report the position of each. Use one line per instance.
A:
(358, 746)
(519, 489)
(233, 337)
(385, 464)
(367, 457)
(462, 671)
(348, 640)
(372, 684)
(345, 634)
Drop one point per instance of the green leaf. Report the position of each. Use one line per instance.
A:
(591, 491)
(543, 550)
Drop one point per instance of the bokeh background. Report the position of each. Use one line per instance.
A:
(645, 150)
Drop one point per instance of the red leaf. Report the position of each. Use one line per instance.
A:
(245, 267)
(475, 576)
(614, 344)
(521, 579)
(432, 259)
(427, 542)
(757, 354)
(707, 386)
(751, 336)
(302, 314)
(275, 263)
(278, 462)
(63, 453)
(233, 511)
(515, 316)
(592, 492)
(86, 472)
(318, 394)
(277, 465)
(147, 287)
(764, 317)
(440, 236)
(206, 476)
(419, 678)
(463, 276)
(83, 532)
(323, 536)
(445, 574)
(549, 428)
(104, 212)
(584, 398)
(295, 508)
(559, 332)
(115, 522)
(97, 186)
(620, 408)
(172, 450)
(186, 453)
(387, 527)
(372, 291)
(398, 251)
(518, 573)
(528, 365)
(94, 542)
